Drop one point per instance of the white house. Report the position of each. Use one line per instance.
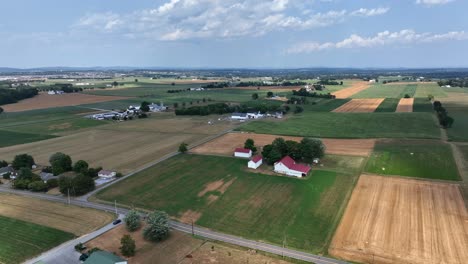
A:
(239, 116)
(157, 108)
(106, 174)
(242, 153)
(51, 92)
(289, 167)
(255, 162)
(254, 115)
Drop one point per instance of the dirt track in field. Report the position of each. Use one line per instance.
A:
(405, 105)
(360, 106)
(226, 144)
(354, 89)
(399, 220)
(69, 218)
(43, 100)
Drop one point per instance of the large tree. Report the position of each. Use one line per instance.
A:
(76, 186)
(157, 228)
(183, 147)
(81, 166)
(250, 144)
(60, 163)
(22, 161)
(312, 148)
(127, 247)
(132, 220)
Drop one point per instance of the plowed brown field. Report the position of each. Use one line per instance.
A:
(226, 144)
(359, 106)
(42, 101)
(397, 220)
(354, 89)
(405, 105)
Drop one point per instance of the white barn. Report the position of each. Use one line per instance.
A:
(242, 153)
(239, 116)
(255, 162)
(106, 174)
(289, 167)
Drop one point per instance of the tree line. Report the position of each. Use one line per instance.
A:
(223, 108)
(13, 95)
(329, 82)
(304, 92)
(444, 119)
(454, 82)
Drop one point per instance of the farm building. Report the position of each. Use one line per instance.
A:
(242, 153)
(106, 174)
(8, 169)
(239, 116)
(289, 167)
(255, 162)
(157, 108)
(254, 115)
(104, 257)
(45, 176)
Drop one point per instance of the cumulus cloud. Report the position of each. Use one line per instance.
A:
(188, 19)
(405, 36)
(433, 2)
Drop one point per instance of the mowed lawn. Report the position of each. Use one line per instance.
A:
(21, 240)
(421, 159)
(304, 213)
(351, 125)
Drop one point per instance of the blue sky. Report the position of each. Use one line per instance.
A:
(230, 33)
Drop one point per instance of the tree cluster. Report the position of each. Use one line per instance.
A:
(157, 228)
(306, 150)
(178, 90)
(216, 85)
(304, 92)
(454, 82)
(444, 119)
(9, 96)
(218, 108)
(329, 82)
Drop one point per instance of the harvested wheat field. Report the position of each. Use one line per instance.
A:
(397, 220)
(226, 144)
(405, 105)
(360, 106)
(354, 89)
(69, 218)
(43, 100)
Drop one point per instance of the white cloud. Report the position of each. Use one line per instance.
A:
(405, 36)
(188, 19)
(433, 2)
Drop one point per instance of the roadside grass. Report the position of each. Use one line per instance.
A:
(421, 159)
(425, 89)
(10, 138)
(350, 125)
(263, 207)
(388, 105)
(21, 240)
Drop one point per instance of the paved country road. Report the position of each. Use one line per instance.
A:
(203, 232)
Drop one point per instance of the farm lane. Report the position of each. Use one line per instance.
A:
(203, 232)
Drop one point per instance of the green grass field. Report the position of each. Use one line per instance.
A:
(459, 130)
(422, 105)
(387, 91)
(421, 159)
(21, 240)
(263, 207)
(425, 89)
(351, 125)
(389, 105)
(10, 138)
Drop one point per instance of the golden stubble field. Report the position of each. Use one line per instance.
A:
(405, 105)
(226, 144)
(355, 88)
(124, 146)
(399, 220)
(360, 106)
(69, 218)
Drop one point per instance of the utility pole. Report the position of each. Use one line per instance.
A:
(68, 192)
(193, 233)
(115, 205)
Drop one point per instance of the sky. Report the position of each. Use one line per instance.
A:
(234, 33)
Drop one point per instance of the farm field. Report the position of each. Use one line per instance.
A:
(352, 125)
(21, 240)
(71, 219)
(356, 87)
(413, 158)
(405, 105)
(359, 106)
(123, 146)
(379, 90)
(388, 105)
(177, 247)
(42, 101)
(219, 193)
(427, 88)
(9, 138)
(396, 220)
(422, 105)
(457, 107)
(226, 144)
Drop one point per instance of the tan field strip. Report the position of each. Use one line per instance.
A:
(405, 105)
(397, 220)
(69, 218)
(354, 89)
(360, 106)
(226, 144)
(43, 100)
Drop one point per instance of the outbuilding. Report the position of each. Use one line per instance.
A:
(255, 162)
(239, 116)
(289, 167)
(106, 174)
(242, 153)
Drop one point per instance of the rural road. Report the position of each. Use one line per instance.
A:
(203, 232)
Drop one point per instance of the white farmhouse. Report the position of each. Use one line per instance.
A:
(255, 162)
(239, 116)
(106, 174)
(242, 153)
(289, 167)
